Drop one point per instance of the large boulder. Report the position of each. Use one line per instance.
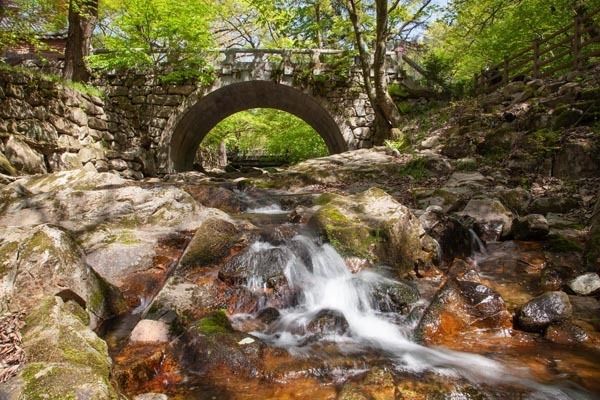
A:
(544, 310)
(212, 240)
(453, 236)
(119, 223)
(45, 261)
(492, 219)
(65, 359)
(460, 307)
(576, 159)
(530, 227)
(553, 204)
(374, 226)
(23, 157)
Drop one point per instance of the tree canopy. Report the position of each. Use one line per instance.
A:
(177, 39)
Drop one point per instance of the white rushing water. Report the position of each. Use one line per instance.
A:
(270, 209)
(325, 283)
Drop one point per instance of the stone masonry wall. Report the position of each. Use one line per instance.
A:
(46, 126)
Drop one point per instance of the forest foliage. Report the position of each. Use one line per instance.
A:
(177, 40)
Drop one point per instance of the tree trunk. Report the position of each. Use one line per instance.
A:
(222, 154)
(386, 113)
(384, 100)
(82, 19)
(319, 33)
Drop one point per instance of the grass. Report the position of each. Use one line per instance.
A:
(83, 88)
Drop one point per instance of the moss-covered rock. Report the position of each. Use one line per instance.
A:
(211, 343)
(214, 323)
(211, 241)
(65, 359)
(6, 167)
(119, 223)
(374, 226)
(560, 244)
(46, 261)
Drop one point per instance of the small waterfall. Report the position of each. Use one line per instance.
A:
(270, 209)
(327, 287)
(476, 243)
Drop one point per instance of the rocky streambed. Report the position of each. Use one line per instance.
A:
(295, 285)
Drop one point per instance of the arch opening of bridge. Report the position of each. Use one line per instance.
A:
(211, 109)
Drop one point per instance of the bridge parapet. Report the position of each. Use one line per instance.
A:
(288, 61)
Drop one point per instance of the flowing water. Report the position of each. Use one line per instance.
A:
(325, 284)
(336, 314)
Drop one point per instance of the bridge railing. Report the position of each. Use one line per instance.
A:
(567, 49)
(287, 60)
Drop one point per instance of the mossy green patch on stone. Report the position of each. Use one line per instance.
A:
(6, 167)
(325, 198)
(215, 323)
(7, 251)
(211, 241)
(416, 168)
(78, 312)
(125, 237)
(64, 357)
(560, 244)
(348, 236)
(62, 381)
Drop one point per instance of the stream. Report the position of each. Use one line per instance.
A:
(319, 328)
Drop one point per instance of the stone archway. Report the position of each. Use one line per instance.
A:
(212, 108)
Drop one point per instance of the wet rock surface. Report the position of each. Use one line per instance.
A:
(585, 284)
(543, 310)
(460, 306)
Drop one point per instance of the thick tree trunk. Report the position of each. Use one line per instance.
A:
(386, 113)
(384, 100)
(82, 19)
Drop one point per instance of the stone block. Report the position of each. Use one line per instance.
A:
(15, 108)
(184, 90)
(141, 99)
(62, 125)
(118, 91)
(167, 100)
(68, 142)
(78, 116)
(89, 153)
(23, 157)
(98, 124)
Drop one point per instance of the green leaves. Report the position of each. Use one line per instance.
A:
(273, 131)
(156, 35)
(479, 33)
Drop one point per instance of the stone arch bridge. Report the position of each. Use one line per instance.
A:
(164, 124)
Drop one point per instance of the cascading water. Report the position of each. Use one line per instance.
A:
(325, 286)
